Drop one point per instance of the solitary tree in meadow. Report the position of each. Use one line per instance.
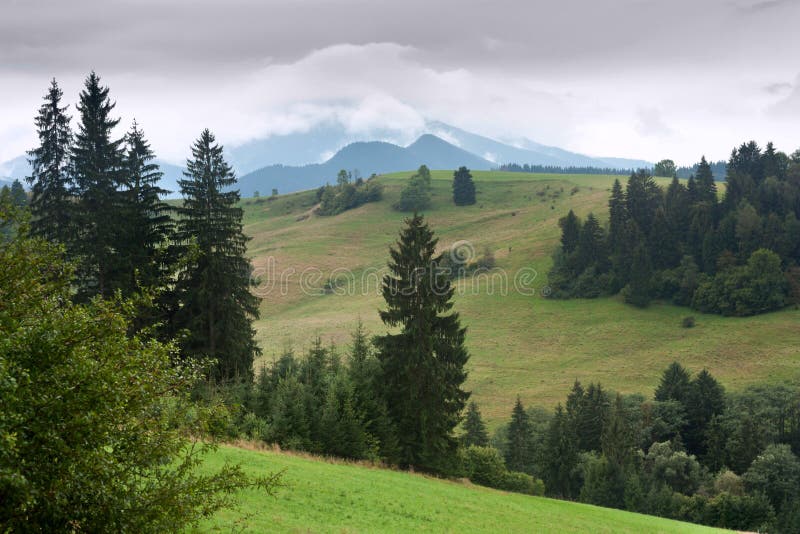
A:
(463, 187)
(423, 363)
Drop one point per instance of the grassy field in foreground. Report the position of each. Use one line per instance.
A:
(521, 344)
(326, 497)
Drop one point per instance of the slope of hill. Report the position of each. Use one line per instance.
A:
(337, 497)
(520, 342)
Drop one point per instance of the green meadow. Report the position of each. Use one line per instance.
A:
(521, 343)
(320, 496)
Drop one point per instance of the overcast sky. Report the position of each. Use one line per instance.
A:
(630, 78)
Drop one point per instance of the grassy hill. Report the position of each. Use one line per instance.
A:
(328, 497)
(521, 344)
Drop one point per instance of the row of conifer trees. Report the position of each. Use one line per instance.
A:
(97, 193)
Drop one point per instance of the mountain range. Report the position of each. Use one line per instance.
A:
(306, 160)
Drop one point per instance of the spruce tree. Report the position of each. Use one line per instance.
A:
(705, 399)
(574, 403)
(706, 187)
(570, 232)
(364, 372)
(474, 428)
(676, 205)
(18, 195)
(343, 428)
(560, 457)
(591, 417)
(618, 439)
(518, 448)
(97, 164)
(692, 191)
(422, 365)
(617, 217)
(591, 245)
(674, 384)
(663, 243)
(148, 224)
(216, 304)
(50, 179)
(639, 289)
(463, 187)
(642, 197)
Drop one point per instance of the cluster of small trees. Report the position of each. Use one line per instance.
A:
(98, 195)
(693, 452)
(737, 256)
(347, 194)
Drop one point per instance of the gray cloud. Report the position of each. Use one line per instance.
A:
(778, 88)
(572, 73)
(121, 35)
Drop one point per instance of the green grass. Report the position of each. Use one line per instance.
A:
(520, 344)
(327, 497)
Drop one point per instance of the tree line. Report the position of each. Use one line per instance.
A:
(693, 452)
(734, 255)
(664, 168)
(558, 169)
(96, 193)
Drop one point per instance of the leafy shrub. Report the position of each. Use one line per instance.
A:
(521, 483)
(757, 287)
(485, 466)
(416, 195)
(687, 322)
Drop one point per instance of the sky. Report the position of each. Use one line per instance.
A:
(644, 79)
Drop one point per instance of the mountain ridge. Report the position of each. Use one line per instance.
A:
(287, 162)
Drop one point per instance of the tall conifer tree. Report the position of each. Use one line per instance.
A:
(617, 217)
(474, 427)
(50, 179)
(147, 217)
(561, 457)
(639, 289)
(706, 187)
(570, 232)
(518, 451)
(97, 161)
(217, 306)
(463, 187)
(423, 364)
(674, 384)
